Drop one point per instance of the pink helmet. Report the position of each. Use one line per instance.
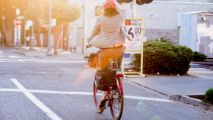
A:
(109, 4)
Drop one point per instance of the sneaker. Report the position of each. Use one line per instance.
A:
(102, 106)
(101, 109)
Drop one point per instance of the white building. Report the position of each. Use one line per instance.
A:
(196, 31)
(162, 17)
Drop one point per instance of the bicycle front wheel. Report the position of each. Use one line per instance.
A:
(116, 105)
(97, 96)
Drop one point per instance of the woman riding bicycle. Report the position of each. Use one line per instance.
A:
(108, 34)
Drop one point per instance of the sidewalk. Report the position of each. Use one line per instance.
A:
(175, 85)
(201, 72)
(42, 53)
(178, 88)
(197, 82)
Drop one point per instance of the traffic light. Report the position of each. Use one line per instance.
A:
(124, 1)
(139, 2)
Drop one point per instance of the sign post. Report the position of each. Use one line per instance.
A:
(17, 32)
(134, 48)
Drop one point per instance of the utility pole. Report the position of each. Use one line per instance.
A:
(32, 39)
(3, 37)
(133, 7)
(49, 27)
(83, 42)
(179, 23)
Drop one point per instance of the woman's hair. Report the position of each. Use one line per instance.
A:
(110, 12)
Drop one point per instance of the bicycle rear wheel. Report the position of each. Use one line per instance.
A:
(117, 102)
(97, 96)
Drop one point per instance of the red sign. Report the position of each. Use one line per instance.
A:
(17, 22)
(128, 22)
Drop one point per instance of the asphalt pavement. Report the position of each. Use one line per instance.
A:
(33, 88)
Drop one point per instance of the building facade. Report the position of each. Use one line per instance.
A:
(196, 31)
(162, 17)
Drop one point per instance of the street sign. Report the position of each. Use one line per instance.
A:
(29, 23)
(17, 22)
(21, 17)
(53, 23)
(134, 28)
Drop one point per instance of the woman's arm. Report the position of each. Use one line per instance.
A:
(96, 30)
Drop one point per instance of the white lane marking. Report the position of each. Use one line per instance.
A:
(80, 61)
(61, 92)
(36, 101)
(148, 99)
(90, 93)
(85, 94)
(9, 90)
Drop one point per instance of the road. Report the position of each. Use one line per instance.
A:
(45, 89)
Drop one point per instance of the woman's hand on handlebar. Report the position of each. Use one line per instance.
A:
(88, 46)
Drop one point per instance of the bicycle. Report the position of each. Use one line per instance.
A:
(113, 96)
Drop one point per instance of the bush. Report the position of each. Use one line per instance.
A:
(163, 39)
(209, 95)
(197, 56)
(165, 58)
(137, 62)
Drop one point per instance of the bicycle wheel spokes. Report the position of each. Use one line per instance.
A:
(116, 105)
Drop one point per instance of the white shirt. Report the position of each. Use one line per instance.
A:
(107, 32)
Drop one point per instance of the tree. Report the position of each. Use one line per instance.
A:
(33, 13)
(62, 11)
(7, 9)
(36, 10)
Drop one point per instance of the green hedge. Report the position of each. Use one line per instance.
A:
(197, 56)
(165, 58)
(209, 95)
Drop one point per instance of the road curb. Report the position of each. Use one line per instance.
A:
(180, 98)
(148, 88)
(24, 54)
(20, 53)
(192, 101)
(48, 57)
